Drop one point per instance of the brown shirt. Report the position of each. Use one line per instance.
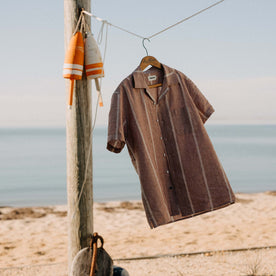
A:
(179, 171)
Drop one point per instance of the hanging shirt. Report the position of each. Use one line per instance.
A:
(163, 127)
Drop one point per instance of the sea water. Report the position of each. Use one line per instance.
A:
(33, 164)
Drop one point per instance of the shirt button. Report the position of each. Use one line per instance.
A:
(157, 120)
(164, 154)
(167, 172)
(161, 138)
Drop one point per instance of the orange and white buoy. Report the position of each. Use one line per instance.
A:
(93, 63)
(73, 63)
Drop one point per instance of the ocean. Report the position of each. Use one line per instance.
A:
(33, 164)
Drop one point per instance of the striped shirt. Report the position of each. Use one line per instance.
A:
(163, 128)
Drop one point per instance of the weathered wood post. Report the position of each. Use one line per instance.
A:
(79, 149)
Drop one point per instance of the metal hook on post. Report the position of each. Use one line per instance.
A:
(143, 42)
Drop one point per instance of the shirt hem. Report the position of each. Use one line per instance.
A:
(180, 217)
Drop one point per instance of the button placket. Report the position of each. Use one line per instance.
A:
(167, 172)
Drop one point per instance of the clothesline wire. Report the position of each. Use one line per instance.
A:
(155, 34)
(185, 19)
(110, 24)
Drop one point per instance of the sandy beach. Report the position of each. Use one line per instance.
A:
(33, 241)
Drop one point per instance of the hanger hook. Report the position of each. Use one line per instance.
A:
(143, 42)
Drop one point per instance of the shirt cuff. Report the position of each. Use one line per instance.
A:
(115, 146)
(206, 115)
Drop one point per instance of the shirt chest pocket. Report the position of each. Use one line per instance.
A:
(181, 121)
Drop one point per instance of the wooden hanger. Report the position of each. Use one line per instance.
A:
(150, 60)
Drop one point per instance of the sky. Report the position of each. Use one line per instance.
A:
(228, 52)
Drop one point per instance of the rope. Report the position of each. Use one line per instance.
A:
(113, 25)
(185, 19)
(85, 174)
(206, 253)
(96, 112)
(100, 35)
(77, 26)
(82, 27)
(155, 34)
(94, 247)
(104, 56)
(124, 30)
(94, 258)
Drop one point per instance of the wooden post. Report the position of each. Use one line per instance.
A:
(79, 152)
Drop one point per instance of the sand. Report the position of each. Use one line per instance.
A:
(33, 241)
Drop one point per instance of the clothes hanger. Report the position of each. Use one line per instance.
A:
(150, 60)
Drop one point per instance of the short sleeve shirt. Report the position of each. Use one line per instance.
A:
(163, 128)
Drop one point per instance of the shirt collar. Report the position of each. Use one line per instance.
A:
(170, 77)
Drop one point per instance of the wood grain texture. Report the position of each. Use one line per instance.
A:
(149, 60)
(78, 139)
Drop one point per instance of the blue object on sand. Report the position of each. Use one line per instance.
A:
(119, 271)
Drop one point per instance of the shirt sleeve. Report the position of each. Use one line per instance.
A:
(116, 123)
(204, 108)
